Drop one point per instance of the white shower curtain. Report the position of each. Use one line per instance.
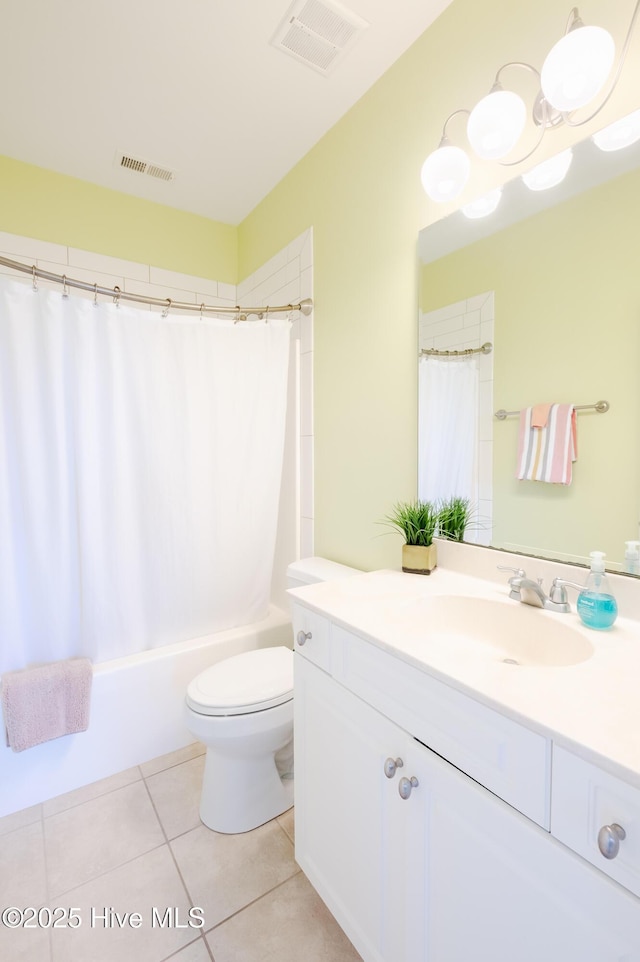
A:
(140, 466)
(448, 428)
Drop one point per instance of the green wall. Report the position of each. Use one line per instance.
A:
(40, 203)
(359, 188)
(567, 328)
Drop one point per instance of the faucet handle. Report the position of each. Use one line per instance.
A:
(558, 591)
(518, 572)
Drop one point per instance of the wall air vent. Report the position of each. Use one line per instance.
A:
(318, 33)
(138, 166)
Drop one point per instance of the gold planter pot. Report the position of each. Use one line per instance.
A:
(418, 560)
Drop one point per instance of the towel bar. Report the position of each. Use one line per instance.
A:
(600, 406)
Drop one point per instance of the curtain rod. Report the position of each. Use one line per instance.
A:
(241, 313)
(431, 351)
(600, 406)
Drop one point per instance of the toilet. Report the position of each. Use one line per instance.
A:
(241, 708)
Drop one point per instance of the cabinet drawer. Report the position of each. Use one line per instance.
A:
(584, 800)
(505, 757)
(316, 646)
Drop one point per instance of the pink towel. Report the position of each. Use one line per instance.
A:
(540, 415)
(46, 702)
(547, 453)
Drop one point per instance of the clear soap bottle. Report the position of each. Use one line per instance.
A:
(632, 557)
(596, 605)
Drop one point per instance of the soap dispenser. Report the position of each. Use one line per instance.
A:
(596, 605)
(632, 557)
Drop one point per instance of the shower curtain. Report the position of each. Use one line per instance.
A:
(140, 466)
(448, 429)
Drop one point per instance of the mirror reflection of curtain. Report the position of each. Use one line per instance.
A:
(448, 427)
(140, 466)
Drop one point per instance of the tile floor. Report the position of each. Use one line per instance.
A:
(134, 843)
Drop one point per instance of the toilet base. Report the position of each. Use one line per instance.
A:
(252, 795)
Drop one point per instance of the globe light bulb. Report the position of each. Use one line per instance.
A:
(622, 133)
(550, 172)
(577, 67)
(483, 206)
(445, 173)
(496, 123)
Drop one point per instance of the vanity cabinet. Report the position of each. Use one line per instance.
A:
(444, 870)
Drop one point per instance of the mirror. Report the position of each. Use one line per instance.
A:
(564, 272)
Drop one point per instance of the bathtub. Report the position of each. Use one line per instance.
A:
(136, 714)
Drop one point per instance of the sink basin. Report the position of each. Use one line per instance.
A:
(510, 632)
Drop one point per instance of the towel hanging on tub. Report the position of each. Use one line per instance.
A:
(46, 701)
(547, 443)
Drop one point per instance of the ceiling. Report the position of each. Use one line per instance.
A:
(195, 86)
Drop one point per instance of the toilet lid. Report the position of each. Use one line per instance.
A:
(250, 682)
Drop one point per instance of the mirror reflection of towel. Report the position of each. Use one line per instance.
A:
(547, 453)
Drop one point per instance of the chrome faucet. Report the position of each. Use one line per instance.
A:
(531, 592)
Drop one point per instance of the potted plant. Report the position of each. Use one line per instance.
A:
(416, 521)
(454, 515)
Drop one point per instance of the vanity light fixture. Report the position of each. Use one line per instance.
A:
(620, 134)
(483, 206)
(573, 74)
(550, 172)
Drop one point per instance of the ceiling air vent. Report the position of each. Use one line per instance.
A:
(138, 166)
(318, 33)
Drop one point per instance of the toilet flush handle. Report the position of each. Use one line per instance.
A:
(303, 636)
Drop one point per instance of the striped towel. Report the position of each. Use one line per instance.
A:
(547, 453)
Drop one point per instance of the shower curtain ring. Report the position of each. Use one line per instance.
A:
(202, 312)
(65, 289)
(95, 294)
(116, 296)
(165, 313)
(35, 282)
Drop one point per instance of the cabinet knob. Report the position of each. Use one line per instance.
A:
(391, 765)
(406, 786)
(609, 838)
(303, 636)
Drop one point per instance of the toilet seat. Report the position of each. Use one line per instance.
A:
(244, 684)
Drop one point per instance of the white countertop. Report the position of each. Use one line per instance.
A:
(591, 708)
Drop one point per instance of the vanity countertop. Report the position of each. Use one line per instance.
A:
(591, 707)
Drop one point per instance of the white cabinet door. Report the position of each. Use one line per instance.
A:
(496, 888)
(342, 798)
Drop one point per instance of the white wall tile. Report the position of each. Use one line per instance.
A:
(307, 549)
(16, 247)
(185, 282)
(306, 394)
(306, 476)
(79, 274)
(107, 265)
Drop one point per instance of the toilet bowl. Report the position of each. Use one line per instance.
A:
(241, 709)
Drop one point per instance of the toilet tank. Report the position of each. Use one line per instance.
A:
(309, 571)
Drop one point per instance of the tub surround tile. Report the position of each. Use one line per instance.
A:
(149, 881)
(91, 261)
(176, 796)
(17, 247)
(80, 795)
(90, 839)
(215, 867)
(289, 924)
